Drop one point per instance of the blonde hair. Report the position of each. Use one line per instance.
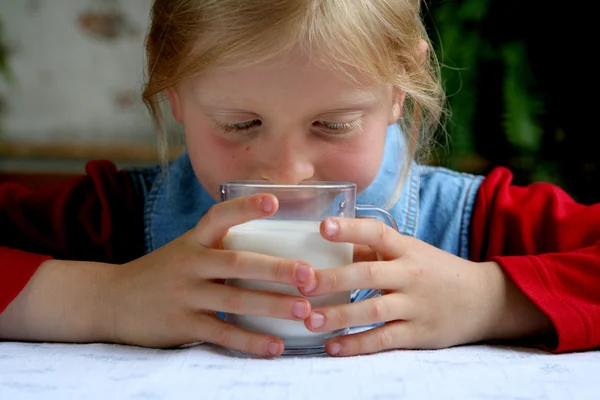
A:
(378, 38)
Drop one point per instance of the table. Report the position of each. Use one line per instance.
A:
(104, 371)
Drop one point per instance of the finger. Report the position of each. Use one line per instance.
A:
(394, 335)
(235, 300)
(222, 333)
(385, 308)
(227, 264)
(364, 253)
(363, 275)
(214, 225)
(366, 231)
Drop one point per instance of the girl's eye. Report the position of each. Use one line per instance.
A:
(238, 127)
(338, 127)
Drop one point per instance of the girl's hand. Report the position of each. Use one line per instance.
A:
(431, 298)
(170, 296)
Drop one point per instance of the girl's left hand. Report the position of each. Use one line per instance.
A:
(430, 298)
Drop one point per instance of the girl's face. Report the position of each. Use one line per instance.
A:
(286, 121)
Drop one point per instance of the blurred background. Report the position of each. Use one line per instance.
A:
(71, 74)
(522, 89)
(521, 82)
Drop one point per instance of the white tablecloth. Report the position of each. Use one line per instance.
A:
(101, 371)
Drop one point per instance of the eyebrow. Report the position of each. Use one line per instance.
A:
(354, 102)
(352, 106)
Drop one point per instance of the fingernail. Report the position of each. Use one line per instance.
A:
(299, 309)
(331, 228)
(317, 320)
(310, 287)
(266, 205)
(302, 273)
(274, 348)
(335, 349)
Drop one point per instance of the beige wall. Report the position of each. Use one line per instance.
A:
(78, 71)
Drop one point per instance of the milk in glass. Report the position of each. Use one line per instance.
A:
(299, 240)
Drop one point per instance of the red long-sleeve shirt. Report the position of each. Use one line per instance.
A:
(547, 243)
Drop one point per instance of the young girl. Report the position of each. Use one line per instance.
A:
(291, 91)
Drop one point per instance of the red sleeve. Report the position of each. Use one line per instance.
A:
(95, 217)
(549, 245)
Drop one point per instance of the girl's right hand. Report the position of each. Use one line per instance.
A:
(170, 297)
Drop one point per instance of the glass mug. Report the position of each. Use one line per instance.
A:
(293, 233)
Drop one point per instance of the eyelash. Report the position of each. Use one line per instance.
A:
(341, 126)
(239, 127)
(245, 127)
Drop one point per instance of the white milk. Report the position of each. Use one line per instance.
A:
(299, 240)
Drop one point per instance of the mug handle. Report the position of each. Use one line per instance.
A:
(367, 211)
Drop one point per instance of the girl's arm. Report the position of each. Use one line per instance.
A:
(166, 298)
(96, 217)
(549, 245)
(64, 301)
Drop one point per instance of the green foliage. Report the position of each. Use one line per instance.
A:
(522, 105)
(458, 23)
(490, 86)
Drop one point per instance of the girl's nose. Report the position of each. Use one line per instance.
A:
(286, 163)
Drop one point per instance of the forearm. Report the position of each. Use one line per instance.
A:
(64, 301)
(549, 247)
(511, 314)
